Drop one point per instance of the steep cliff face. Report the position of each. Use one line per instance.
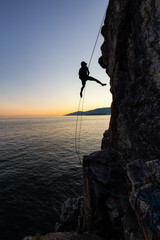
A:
(120, 200)
(131, 57)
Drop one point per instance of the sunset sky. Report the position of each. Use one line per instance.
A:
(41, 46)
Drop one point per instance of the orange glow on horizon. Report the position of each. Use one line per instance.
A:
(30, 108)
(38, 112)
(34, 112)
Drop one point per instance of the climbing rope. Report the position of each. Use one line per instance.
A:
(76, 140)
(80, 113)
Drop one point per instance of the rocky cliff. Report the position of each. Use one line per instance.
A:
(131, 57)
(122, 182)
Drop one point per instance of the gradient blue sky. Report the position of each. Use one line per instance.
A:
(41, 46)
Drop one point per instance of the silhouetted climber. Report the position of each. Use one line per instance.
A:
(84, 76)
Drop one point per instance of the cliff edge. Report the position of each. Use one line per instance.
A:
(131, 57)
(121, 187)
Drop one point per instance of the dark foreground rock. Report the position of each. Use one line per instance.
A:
(115, 197)
(64, 236)
(70, 212)
(118, 200)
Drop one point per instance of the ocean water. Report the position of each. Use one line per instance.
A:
(39, 169)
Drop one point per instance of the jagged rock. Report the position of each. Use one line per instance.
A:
(130, 55)
(139, 198)
(106, 197)
(143, 203)
(137, 172)
(105, 140)
(64, 236)
(112, 207)
(69, 215)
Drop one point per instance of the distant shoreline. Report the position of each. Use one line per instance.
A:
(94, 112)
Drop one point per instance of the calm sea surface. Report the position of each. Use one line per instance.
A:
(39, 169)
